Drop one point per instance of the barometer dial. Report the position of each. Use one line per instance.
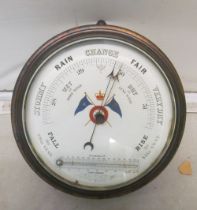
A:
(98, 111)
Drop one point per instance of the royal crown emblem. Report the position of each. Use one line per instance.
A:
(100, 96)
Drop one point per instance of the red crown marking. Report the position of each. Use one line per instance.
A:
(100, 96)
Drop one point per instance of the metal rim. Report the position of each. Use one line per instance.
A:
(69, 37)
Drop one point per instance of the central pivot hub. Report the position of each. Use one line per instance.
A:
(98, 114)
(99, 118)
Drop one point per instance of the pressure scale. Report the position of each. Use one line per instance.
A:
(98, 111)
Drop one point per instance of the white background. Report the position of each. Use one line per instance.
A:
(25, 25)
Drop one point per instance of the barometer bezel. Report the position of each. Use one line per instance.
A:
(66, 38)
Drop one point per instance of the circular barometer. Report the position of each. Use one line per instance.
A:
(98, 111)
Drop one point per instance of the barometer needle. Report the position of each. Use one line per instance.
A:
(89, 143)
(115, 78)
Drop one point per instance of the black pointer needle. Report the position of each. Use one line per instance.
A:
(89, 143)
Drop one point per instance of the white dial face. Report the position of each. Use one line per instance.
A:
(99, 114)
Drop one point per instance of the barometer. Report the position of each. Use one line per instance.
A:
(98, 111)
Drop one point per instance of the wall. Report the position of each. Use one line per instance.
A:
(25, 25)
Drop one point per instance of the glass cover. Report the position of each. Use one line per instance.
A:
(99, 114)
